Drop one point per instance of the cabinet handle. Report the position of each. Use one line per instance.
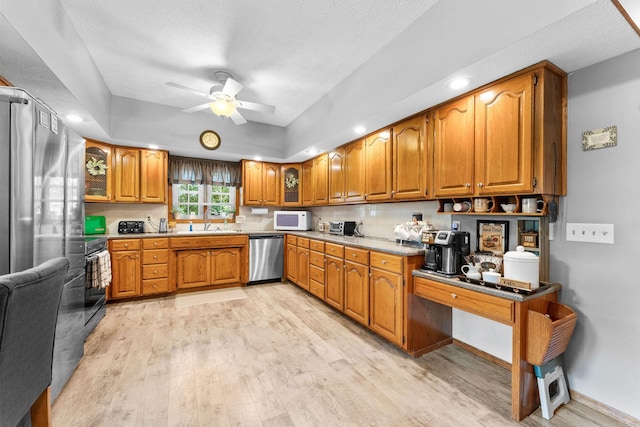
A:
(155, 257)
(480, 185)
(454, 296)
(155, 286)
(155, 271)
(467, 185)
(383, 261)
(126, 245)
(155, 243)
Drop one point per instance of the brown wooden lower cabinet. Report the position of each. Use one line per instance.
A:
(302, 267)
(386, 306)
(356, 291)
(334, 282)
(291, 259)
(125, 268)
(205, 267)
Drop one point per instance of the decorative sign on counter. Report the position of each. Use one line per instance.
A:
(493, 236)
(600, 138)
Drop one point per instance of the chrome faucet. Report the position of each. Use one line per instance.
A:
(207, 216)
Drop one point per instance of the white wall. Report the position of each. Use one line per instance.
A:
(599, 280)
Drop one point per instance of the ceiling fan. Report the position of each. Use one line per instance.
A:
(222, 99)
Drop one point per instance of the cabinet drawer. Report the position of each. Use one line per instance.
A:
(125, 245)
(156, 271)
(316, 258)
(316, 245)
(155, 256)
(208, 242)
(316, 273)
(387, 262)
(334, 250)
(489, 306)
(360, 256)
(303, 242)
(292, 240)
(162, 243)
(316, 289)
(155, 286)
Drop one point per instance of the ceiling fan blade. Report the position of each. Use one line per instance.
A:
(270, 109)
(237, 118)
(183, 87)
(231, 87)
(196, 108)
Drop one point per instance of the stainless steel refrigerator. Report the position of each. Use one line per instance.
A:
(42, 210)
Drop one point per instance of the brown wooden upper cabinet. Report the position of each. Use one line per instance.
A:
(125, 174)
(378, 166)
(308, 190)
(291, 188)
(409, 159)
(506, 138)
(354, 172)
(140, 175)
(98, 175)
(321, 179)
(261, 183)
(337, 175)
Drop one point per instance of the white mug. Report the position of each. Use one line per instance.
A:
(532, 205)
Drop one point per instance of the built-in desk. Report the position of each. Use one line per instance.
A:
(443, 294)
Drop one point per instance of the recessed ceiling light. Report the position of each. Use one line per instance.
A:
(459, 82)
(257, 158)
(153, 146)
(312, 151)
(359, 130)
(74, 118)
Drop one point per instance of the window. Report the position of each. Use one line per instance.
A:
(192, 199)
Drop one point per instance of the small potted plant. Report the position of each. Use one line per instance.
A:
(177, 213)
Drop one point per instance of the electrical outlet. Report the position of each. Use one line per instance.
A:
(148, 216)
(590, 233)
(455, 225)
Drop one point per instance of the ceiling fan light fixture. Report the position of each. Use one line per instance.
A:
(223, 106)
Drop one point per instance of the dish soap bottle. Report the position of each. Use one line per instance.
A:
(190, 225)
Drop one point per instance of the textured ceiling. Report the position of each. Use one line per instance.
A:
(326, 65)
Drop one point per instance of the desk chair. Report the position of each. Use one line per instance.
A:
(29, 302)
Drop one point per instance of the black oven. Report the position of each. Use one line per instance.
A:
(95, 299)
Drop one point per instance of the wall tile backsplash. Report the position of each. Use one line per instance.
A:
(378, 219)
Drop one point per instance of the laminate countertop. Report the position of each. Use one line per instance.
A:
(544, 288)
(370, 243)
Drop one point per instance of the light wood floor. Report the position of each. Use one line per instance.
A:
(277, 358)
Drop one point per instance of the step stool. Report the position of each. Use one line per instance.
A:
(546, 375)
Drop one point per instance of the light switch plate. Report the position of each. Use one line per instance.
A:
(590, 233)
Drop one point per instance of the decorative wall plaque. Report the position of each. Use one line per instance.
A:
(600, 138)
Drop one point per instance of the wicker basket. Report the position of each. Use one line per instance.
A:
(548, 333)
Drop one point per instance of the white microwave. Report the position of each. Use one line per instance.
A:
(292, 220)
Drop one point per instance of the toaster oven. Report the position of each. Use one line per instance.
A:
(342, 228)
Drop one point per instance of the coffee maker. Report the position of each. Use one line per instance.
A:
(446, 251)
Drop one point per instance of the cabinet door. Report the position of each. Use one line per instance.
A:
(504, 137)
(308, 195)
(336, 176)
(291, 188)
(454, 147)
(386, 305)
(321, 179)
(378, 166)
(354, 172)
(127, 170)
(225, 266)
(125, 269)
(409, 165)
(98, 175)
(356, 291)
(153, 176)
(334, 282)
(252, 182)
(193, 269)
(292, 258)
(271, 184)
(302, 268)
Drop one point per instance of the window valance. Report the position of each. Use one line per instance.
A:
(187, 170)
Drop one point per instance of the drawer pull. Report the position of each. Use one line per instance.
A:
(155, 243)
(126, 245)
(155, 271)
(454, 296)
(155, 257)
(384, 261)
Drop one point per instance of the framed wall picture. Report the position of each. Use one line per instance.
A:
(493, 236)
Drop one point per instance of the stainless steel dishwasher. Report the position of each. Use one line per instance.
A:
(266, 257)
